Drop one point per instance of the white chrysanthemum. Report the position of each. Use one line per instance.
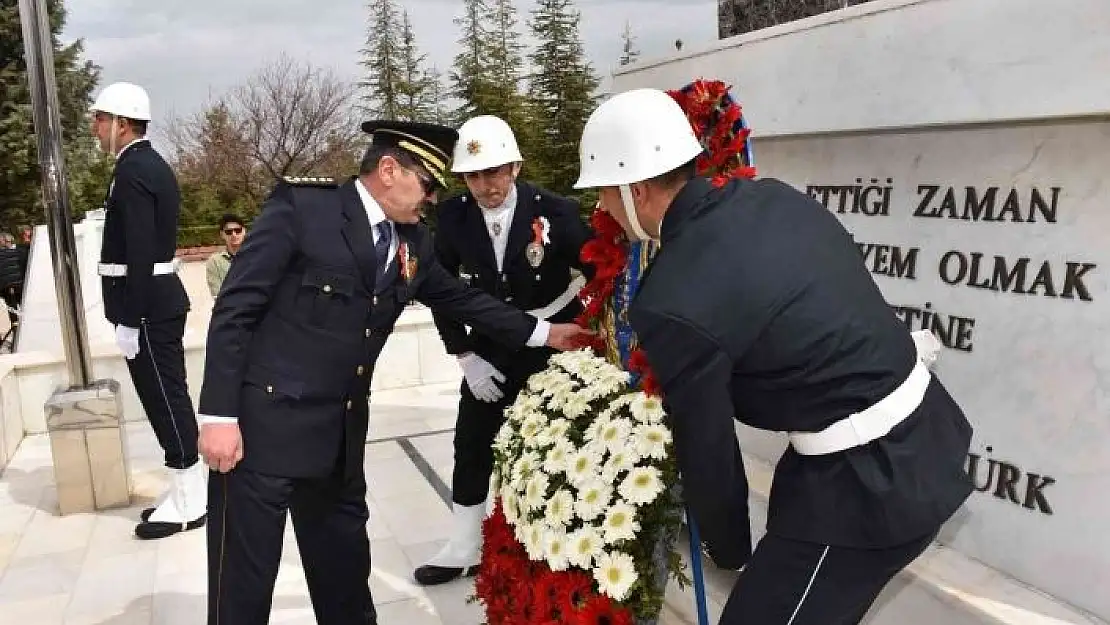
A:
(535, 492)
(622, 460)
(536, 383)
(555, 462)
(575, 405)
(582, 465)
(525, 466)
(616, 434)
(495, 479)
(513, 415)
(652, 440)
(555, 549)
(529, 402)
(530, 428)
(533, 541)
(555, 430)
(556, 382)
(593, 392)
(620, 523)
(646, 409)
(559, 395)
(560, 508)
(593, 499)
(505, 438)
(510, 508)
(615, 574)
(593, 430)
(642, 485)
(583, 546)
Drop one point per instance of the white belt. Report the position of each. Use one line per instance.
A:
(112, 270)
(871, 424)
(560, 302)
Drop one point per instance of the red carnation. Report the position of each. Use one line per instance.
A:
(600, 610)
(572, 590)
(638, 364)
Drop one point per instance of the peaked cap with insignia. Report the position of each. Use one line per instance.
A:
(430, 144)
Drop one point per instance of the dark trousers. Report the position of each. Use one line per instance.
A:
(479, 421)
(158, 372)
(246, 512)
(799, 583)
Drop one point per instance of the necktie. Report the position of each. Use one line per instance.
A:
(381, 248)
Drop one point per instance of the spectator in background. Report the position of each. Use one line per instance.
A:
(12, 265)
(233, 232)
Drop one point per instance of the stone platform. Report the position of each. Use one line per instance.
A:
(87, 569)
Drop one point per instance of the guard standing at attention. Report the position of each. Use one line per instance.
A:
(145, 300)
(521, 244)
(757, 308)
(302, 316)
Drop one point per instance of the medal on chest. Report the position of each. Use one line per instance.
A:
(535, 250)
(406, 262)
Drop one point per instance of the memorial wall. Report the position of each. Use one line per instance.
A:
(998, 241)
(965, 145)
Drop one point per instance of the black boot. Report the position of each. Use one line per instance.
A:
(432, 575)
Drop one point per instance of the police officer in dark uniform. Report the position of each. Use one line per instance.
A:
(518, 243)
(303, 314)
(145, 300)
(757, 308)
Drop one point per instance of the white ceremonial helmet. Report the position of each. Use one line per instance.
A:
(484, 141)
(632, 137)
(123, 99)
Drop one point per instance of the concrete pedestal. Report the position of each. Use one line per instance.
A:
(89, 448)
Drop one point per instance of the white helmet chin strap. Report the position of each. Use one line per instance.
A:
(630, 212)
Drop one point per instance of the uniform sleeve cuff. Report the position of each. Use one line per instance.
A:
(206, 419)
(539, 334)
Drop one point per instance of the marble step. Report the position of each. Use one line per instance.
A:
(941, 586)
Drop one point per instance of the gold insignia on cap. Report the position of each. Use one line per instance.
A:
(473, 147)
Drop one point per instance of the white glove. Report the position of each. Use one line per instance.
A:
(128, 341)
(480, 376)
(928, 347)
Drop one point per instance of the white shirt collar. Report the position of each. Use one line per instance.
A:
(373, 210)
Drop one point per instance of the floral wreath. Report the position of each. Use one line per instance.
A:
(718, 122)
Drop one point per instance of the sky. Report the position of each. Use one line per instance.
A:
(188, 52)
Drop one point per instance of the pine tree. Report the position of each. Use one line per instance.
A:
(629, 52)
(439, 113)
(470, 77)
(505, 58)
(382, 61)
(416, 85)
(87, 170)
(562, 91)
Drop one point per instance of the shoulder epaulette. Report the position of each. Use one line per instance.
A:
(300, 181)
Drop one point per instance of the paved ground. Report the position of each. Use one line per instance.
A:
(88, 570)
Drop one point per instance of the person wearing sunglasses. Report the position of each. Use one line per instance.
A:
(232, 231)
(306, 308)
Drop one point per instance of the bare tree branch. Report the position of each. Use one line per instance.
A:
(290, 118)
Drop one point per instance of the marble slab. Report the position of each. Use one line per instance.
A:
(997, 239)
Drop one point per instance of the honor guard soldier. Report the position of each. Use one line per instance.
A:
(757, 309)
(520, 244)
(296, 330)
(145, 300)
